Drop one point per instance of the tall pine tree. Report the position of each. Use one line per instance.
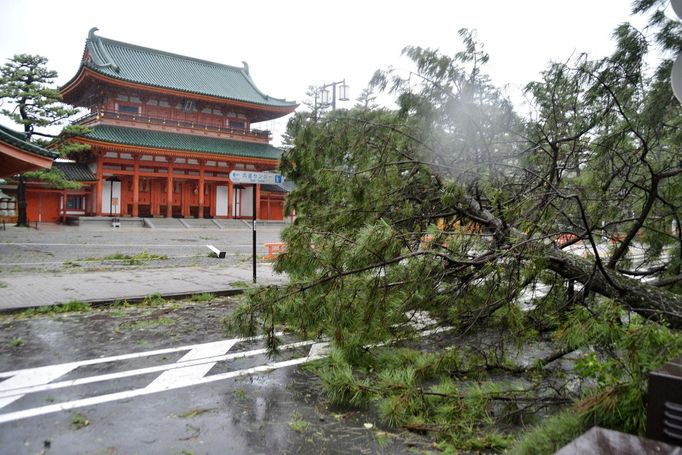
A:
(456, 206)
(29, 99)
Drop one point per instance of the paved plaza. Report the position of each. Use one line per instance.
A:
(58, 264)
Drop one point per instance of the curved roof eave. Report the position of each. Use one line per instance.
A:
(181, 143)
(156, 69)
(75, 81)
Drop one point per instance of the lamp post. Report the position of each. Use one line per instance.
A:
(324, 93)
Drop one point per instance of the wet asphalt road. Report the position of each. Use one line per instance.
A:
(280, 411)
(277, 411)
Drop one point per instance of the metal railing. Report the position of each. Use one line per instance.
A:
(94, 116)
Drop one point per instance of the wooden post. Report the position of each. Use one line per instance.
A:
(169, 189)
(136, 186)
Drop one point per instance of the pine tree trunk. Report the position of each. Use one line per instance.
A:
(647, 300)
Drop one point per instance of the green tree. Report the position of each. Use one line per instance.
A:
(453, 205)
(26, 85)
(25, 82)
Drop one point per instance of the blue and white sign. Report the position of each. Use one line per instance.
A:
(256, 177)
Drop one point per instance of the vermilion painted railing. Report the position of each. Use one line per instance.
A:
(94, 116)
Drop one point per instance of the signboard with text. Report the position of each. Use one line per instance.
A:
(252, 177)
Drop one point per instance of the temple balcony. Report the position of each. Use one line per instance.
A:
(175, 126)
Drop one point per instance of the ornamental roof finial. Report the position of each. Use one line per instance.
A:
(91, 33)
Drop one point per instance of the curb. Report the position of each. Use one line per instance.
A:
(134, 299)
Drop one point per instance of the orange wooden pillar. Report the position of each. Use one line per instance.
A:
(136, 186)
(155, 197)
(201, 190)
(185, 198)
(98, 189)
(169, 189)
(64, 207)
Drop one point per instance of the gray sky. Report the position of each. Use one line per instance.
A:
(290, 45)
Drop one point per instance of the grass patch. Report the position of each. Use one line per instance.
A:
(240, 284)
(239, 394)
(71, 306)
(16, 342)
(204, 297)
(153, 300)
(382, 438)
(298, 423)
(127, 259)
(3, 284)
(79, 421)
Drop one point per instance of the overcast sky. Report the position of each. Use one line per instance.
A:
(290, 45)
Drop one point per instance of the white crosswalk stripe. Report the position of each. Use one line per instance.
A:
(27, 378)
(189, 370)
(192, 373)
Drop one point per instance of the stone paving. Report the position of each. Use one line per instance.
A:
(37, 267)
(25, 291)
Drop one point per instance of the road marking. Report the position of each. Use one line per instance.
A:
(29, 380)
(25, 389)
(17, 415)
(36, 376)
(192, 373)
(190, 370)
(115, 358)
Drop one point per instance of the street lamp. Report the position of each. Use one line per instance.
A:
(324, 93)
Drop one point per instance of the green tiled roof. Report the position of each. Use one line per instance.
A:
(182, 142)
(18, 139)
(75, 171)
(156, 68)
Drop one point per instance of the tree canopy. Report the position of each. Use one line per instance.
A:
(30, 99)
(27, 86)
(556, 232)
